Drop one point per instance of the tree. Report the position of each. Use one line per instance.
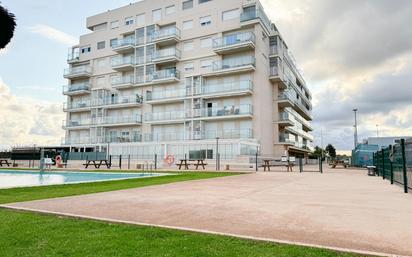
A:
(331, 150)
(317, 152)
(8, 24)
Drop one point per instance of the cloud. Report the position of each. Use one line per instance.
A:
(27, 121)
(53, 34)
(354, 53)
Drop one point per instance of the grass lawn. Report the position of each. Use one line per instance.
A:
(44, 192)
(29, 234)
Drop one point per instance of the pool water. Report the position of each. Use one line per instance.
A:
(13, 178)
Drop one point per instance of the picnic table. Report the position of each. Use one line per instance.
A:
(187, 162)
(267, 164)
(4, 161)
(97, 163)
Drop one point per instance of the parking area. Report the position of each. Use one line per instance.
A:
(341, 208)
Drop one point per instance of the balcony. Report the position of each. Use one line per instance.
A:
(76, 106)
(285, 100)
(123, 63)
(276, 75)
(73, 55)
(76, 141)
(116, 121)
(78, 72)
(227, 112)
(285, 119)
(165, 56)
(254, 15)
(166, 96)
(122, 139)
(273, 51)
(122, 82)
(178, 116)
(165, 137)
(234, 43)
(76, 89)
(166, 36)
(124, 45)
(228, 134)
(300, 132)
(123, 101)
(165, 76)
(232, 66)
(243, 87)
(292, 143)
(76, 124)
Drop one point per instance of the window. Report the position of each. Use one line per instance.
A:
(187, 24)
(231, 14)
(170, 9)
(206, 63)
(128, 21)
(113, 42)
(187, 4)
(140, 20)
(205, 21)
(101, 45)
(156, 15)
(188, 46)
(85, 49)
(114, 24)
(204, 1)
(189, 66)
(206, 42)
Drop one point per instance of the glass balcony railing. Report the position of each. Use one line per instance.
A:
(118, 120)
(167, 136)
(233, 63)
(122, 100)
(166, 53)
(74, 88)
(234, 39)
(275, 71)
(76, 140)
(256, 13)
(122, 139)
(73, 55)
(243, 85)
(165, 94)
(166, 33)
(166, 74)
(274, 50)
(125, 80)
(76, 105)
(285, 116)
(122, 61)
(76, 123)
(228, 134)
(78, 70)
(245, 109)
(126, 42)
(165, 116)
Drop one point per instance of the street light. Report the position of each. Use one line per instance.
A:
(217, 154)
(356, 129)
(377, 130)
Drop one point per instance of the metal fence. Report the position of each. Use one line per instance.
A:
(394, 163)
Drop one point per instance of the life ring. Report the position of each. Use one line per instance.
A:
(58, 160)
(170, 159)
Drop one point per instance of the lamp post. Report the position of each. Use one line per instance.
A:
(217, 154)
(377, 130)
(355, 134)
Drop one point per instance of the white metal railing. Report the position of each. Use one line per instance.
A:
(234, 39)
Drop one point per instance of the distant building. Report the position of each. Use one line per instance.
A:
(362, 155)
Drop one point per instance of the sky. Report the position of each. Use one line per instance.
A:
(353, 53)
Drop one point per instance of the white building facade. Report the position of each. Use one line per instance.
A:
(171, 76)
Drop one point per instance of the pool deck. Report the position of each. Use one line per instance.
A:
(340, 209)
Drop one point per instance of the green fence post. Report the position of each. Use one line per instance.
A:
(383, 164)
(391, 161)
(405, 178)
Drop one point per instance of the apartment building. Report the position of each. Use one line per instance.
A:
(180, 76)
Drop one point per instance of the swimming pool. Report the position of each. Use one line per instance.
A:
(13, 178)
